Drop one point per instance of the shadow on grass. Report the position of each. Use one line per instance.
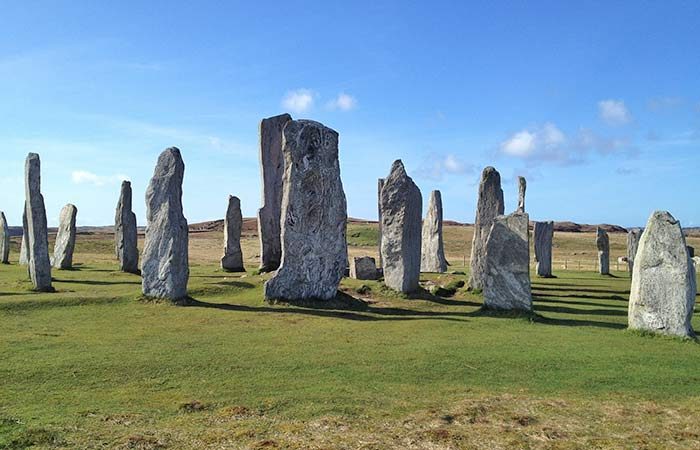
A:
(423, 294)
(234, 284)
(538, 318)
(558, 287)
(614, 297)
(95, 282)
(27, 305)
(538, 298)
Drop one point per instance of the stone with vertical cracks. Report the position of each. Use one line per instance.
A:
(363, 268)
(4, 240)
(522, 186)
(232, 261)
(663, 289)
(65, 238)
(603, 243)
(380, 185)
(165, 266)
(314, 213)
(543, 233)
(36, 228)
(432, 250)
(125, 232)
(489, 205)
(633, 237)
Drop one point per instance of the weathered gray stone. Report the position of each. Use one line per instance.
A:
(401, 204)
(232, 261)
(380, 185)
(489, 205)
(507, 280)
(24, 243)
(4, 240)
(603, 244)
(633, 236)
(663, 289)
(543, 233)
(522, 186)
(691, 251)
(125, 232)
(36, 228)
(432, 250)
(165, 266)
(314, 212)
(363, 268)
(65, 238)
(272, 175)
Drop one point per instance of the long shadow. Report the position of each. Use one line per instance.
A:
(572, 302)
(592, 297)
(573, 287)
(580, 323)
(422, 294)
(25, 305)
(234, 284)
(95, 282)
(587, 312)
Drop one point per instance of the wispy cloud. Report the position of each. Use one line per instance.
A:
(299, 100)
(85, 177)
(614, 112)
(343, 102)
(436, 166)
(658, 104)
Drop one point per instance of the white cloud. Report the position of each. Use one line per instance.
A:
(85, 177)
(520, 144)
(343, 102)
(299, 101)
(614, 112)
(435, 166)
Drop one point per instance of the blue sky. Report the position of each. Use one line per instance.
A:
(596, 103)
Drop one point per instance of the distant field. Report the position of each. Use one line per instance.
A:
(93, 366)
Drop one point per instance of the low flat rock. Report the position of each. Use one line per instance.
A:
(65, 238)
(543, 234)
(363, 268)
(36, 228)
(432, 251)
(232, 260)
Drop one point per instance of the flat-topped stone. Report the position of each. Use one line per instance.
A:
(543, 233)
(603, 244)
(633, 236)
(363, 268)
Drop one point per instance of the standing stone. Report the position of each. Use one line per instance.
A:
(24, 244)
(691, 251)
(125, 232)
(522, 185)
(165, 266)
(272, 171)
(314, 247)
(603, 244)
(432, 251)
(544, 233)
(380, 185)
(401, 204)
(4, 240)
(633, 237)
(663, 289)
(363, 268)
(65, 238)
(489, 205)
(232, 261)
(507, 277)
(36, 228)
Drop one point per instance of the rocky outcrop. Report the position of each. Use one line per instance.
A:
(232, 261)
(489, 205)
(65, 238)
(432, 250)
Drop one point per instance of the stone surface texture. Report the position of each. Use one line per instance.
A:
(543, 233)
(4, 240)
(432, 249)
(125, 232)
(602, 242)
(24, 244)
(662, 296)
(633, 237)
(165, 265)
(363, 268)
(380, 185)
(65, 238)
(522, 186)
(232, 261)
(314, 212)
(489, 205)
(36, 228)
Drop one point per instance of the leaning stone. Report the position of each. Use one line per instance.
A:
(65, 238)
(633, 236)
(507, 280)
(165, 266)
(363, 268)
(4, 240)
(663, 289)
(232, 261)
(125, 232)
(272, 171)
(543, 233)
(489, 205)
(401, 204)
(603, 244)
(380, 185)
(432, 250)
(522, 185)
(314, 211)
(36, 228)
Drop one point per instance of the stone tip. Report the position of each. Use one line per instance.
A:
(664, 215)
(285, 116)
(31, 155)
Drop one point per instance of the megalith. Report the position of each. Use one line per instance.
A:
(36, 228)
(662, 296)
(4, 240)
(633, 236)
(401, 205)
(232, 261)
(489, 205)
(543, 233)
(380, 184)
(24, 243)
(65, 238)
(125, 232)
(432, 250)
(363, 268)
(507, 261)
(522, 186)
(603, 244)
(165, 265)
(272, 176)
(314, 212)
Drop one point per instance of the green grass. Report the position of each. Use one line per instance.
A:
(361, 235)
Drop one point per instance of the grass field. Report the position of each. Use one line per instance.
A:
(94, 366)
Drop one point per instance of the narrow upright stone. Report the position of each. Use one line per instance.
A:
(24, 243)
(36, 228)
(65, 238)
(543, 232)
(401, 204)
(165, 266)
(272, 171)
(489, 205)
(603, 244)
(633, 237)
(314, 212)
(507, 277)
(380, 185)
(4, 240)
(125, 232)
(662, 296)
(522, 185)
(232, 261)
(432, 251)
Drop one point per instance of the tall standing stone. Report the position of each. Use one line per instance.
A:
(272, 172)
(633, 237)
(662, 296)
(522, 186)
(432, 250)
(603, 244)
(24, 243)
(165, 266)
(401, 204)
(232, 261)
(125, 232)
(380, 185)
(314, 212)
(489, 205)
(507, 261)
(544, 233)
(36, 228)
(4, 240)
(65, 238)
